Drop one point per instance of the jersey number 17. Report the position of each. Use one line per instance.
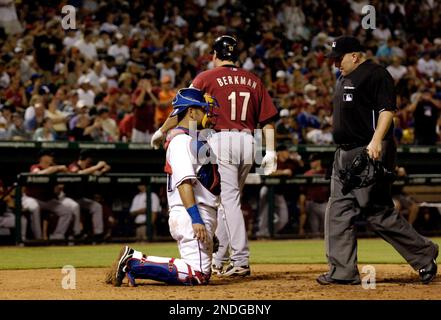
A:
(233, 101)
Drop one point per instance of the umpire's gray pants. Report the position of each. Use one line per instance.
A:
(376, 203)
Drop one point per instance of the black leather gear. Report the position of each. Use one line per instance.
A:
(363, 172)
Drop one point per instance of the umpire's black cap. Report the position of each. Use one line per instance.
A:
(343, 45)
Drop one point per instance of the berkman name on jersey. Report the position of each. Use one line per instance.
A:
(235, 80)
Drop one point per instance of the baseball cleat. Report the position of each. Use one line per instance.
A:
(234, 271)
(325, 279)
(428, 273)
(215, 270)
(120, 265)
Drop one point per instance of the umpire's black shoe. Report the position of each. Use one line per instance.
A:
(124, 255)
(428, 273)
(325, 279)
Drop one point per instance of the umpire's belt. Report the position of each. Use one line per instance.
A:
(350, 146)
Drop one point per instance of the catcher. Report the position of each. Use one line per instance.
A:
(193, 196)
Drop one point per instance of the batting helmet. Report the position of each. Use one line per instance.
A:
(226, 48)
(192, 97)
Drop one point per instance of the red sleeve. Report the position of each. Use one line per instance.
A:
(198, 82)
(35, 168)
(135, 95)
(73, 167)
(156, 91)
(267, 107)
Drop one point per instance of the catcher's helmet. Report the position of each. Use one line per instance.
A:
(192, 97)
(226, 48)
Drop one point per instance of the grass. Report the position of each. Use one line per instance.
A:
(275, 252)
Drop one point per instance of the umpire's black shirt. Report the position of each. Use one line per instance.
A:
(359, 98)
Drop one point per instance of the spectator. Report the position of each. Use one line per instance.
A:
(125, 126)
(46, 132)
(59, 120)
(320, 136)
(86, 46)
(138, 211)
(166, 96)
(104, 127)
(287, 166)
(384, 52)
(425, 111)
(5, 79)
(37, 198)
(8, 18)
(47, 44)
(16, 94)
(426, 65)
(404, 203)
(144, 101)
(285, 128)
(381, 33)
(7, 208)
(50, 58)
(310, 94)
(167, 70)
(119, 50)
(313, 199)
(396, 69)
(84, 165)
(281, 86)
(110, 72)
(72, 36)
(85, 92)
(17, 130)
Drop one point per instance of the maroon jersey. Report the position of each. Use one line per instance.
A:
(143, 115)
(40, 192)
(243, 100)
(316, 193)
(74, 167)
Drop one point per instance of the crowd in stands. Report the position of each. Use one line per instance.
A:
(113, 77)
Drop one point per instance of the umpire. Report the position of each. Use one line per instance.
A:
(364, 103)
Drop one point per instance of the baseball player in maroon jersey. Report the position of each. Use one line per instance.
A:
(244, 103)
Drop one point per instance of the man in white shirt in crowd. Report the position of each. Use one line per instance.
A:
(396, 69)
(109, 71)
(426, 65)
(86, 46)
(85, 92)
(138, 211)
(119, 50)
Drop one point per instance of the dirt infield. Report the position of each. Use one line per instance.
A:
(292, 282)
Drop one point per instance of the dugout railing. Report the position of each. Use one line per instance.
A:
(150, 180)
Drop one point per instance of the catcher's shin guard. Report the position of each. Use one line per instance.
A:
(168, 270)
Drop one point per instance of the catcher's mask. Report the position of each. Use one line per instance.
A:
(192, 97)
(363, 172)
